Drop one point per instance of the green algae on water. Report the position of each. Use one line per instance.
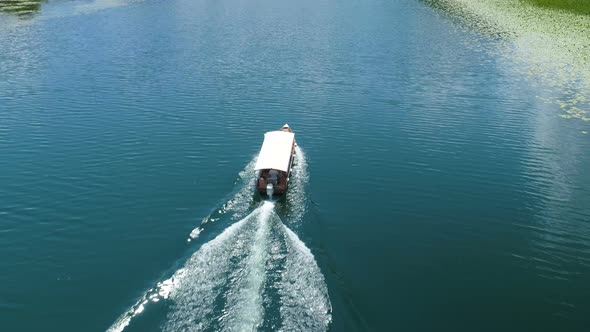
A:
(20, 7)
(576, 6)
(549, 47)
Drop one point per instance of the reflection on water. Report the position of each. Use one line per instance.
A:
(20, 7)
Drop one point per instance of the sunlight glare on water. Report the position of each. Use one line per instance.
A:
(443, 183)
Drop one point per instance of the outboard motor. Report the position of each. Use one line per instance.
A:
(270, 189)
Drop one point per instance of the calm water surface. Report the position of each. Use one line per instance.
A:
(435, 190)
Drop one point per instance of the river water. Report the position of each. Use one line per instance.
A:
(435, 188)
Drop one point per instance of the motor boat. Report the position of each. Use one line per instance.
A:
(275, 161)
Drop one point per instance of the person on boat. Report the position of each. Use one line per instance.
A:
(274, 175)
(261, 181)
(287, 128)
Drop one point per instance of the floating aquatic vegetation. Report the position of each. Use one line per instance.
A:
(577, 6)
(550, 47)
(20, 7)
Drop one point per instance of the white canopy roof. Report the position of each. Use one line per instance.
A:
(276, 151)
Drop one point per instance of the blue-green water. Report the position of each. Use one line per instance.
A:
(434, 189)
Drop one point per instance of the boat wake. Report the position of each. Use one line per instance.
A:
(296, 199)
(255, 275)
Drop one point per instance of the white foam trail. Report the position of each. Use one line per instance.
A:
(211, 280)
(194, 233)
(206, 266)
(238, 205)
(230, 272)
(244, 311)
(305, 303)
(222, 286)
(122, 322)
(205, 275)
(296, 198)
